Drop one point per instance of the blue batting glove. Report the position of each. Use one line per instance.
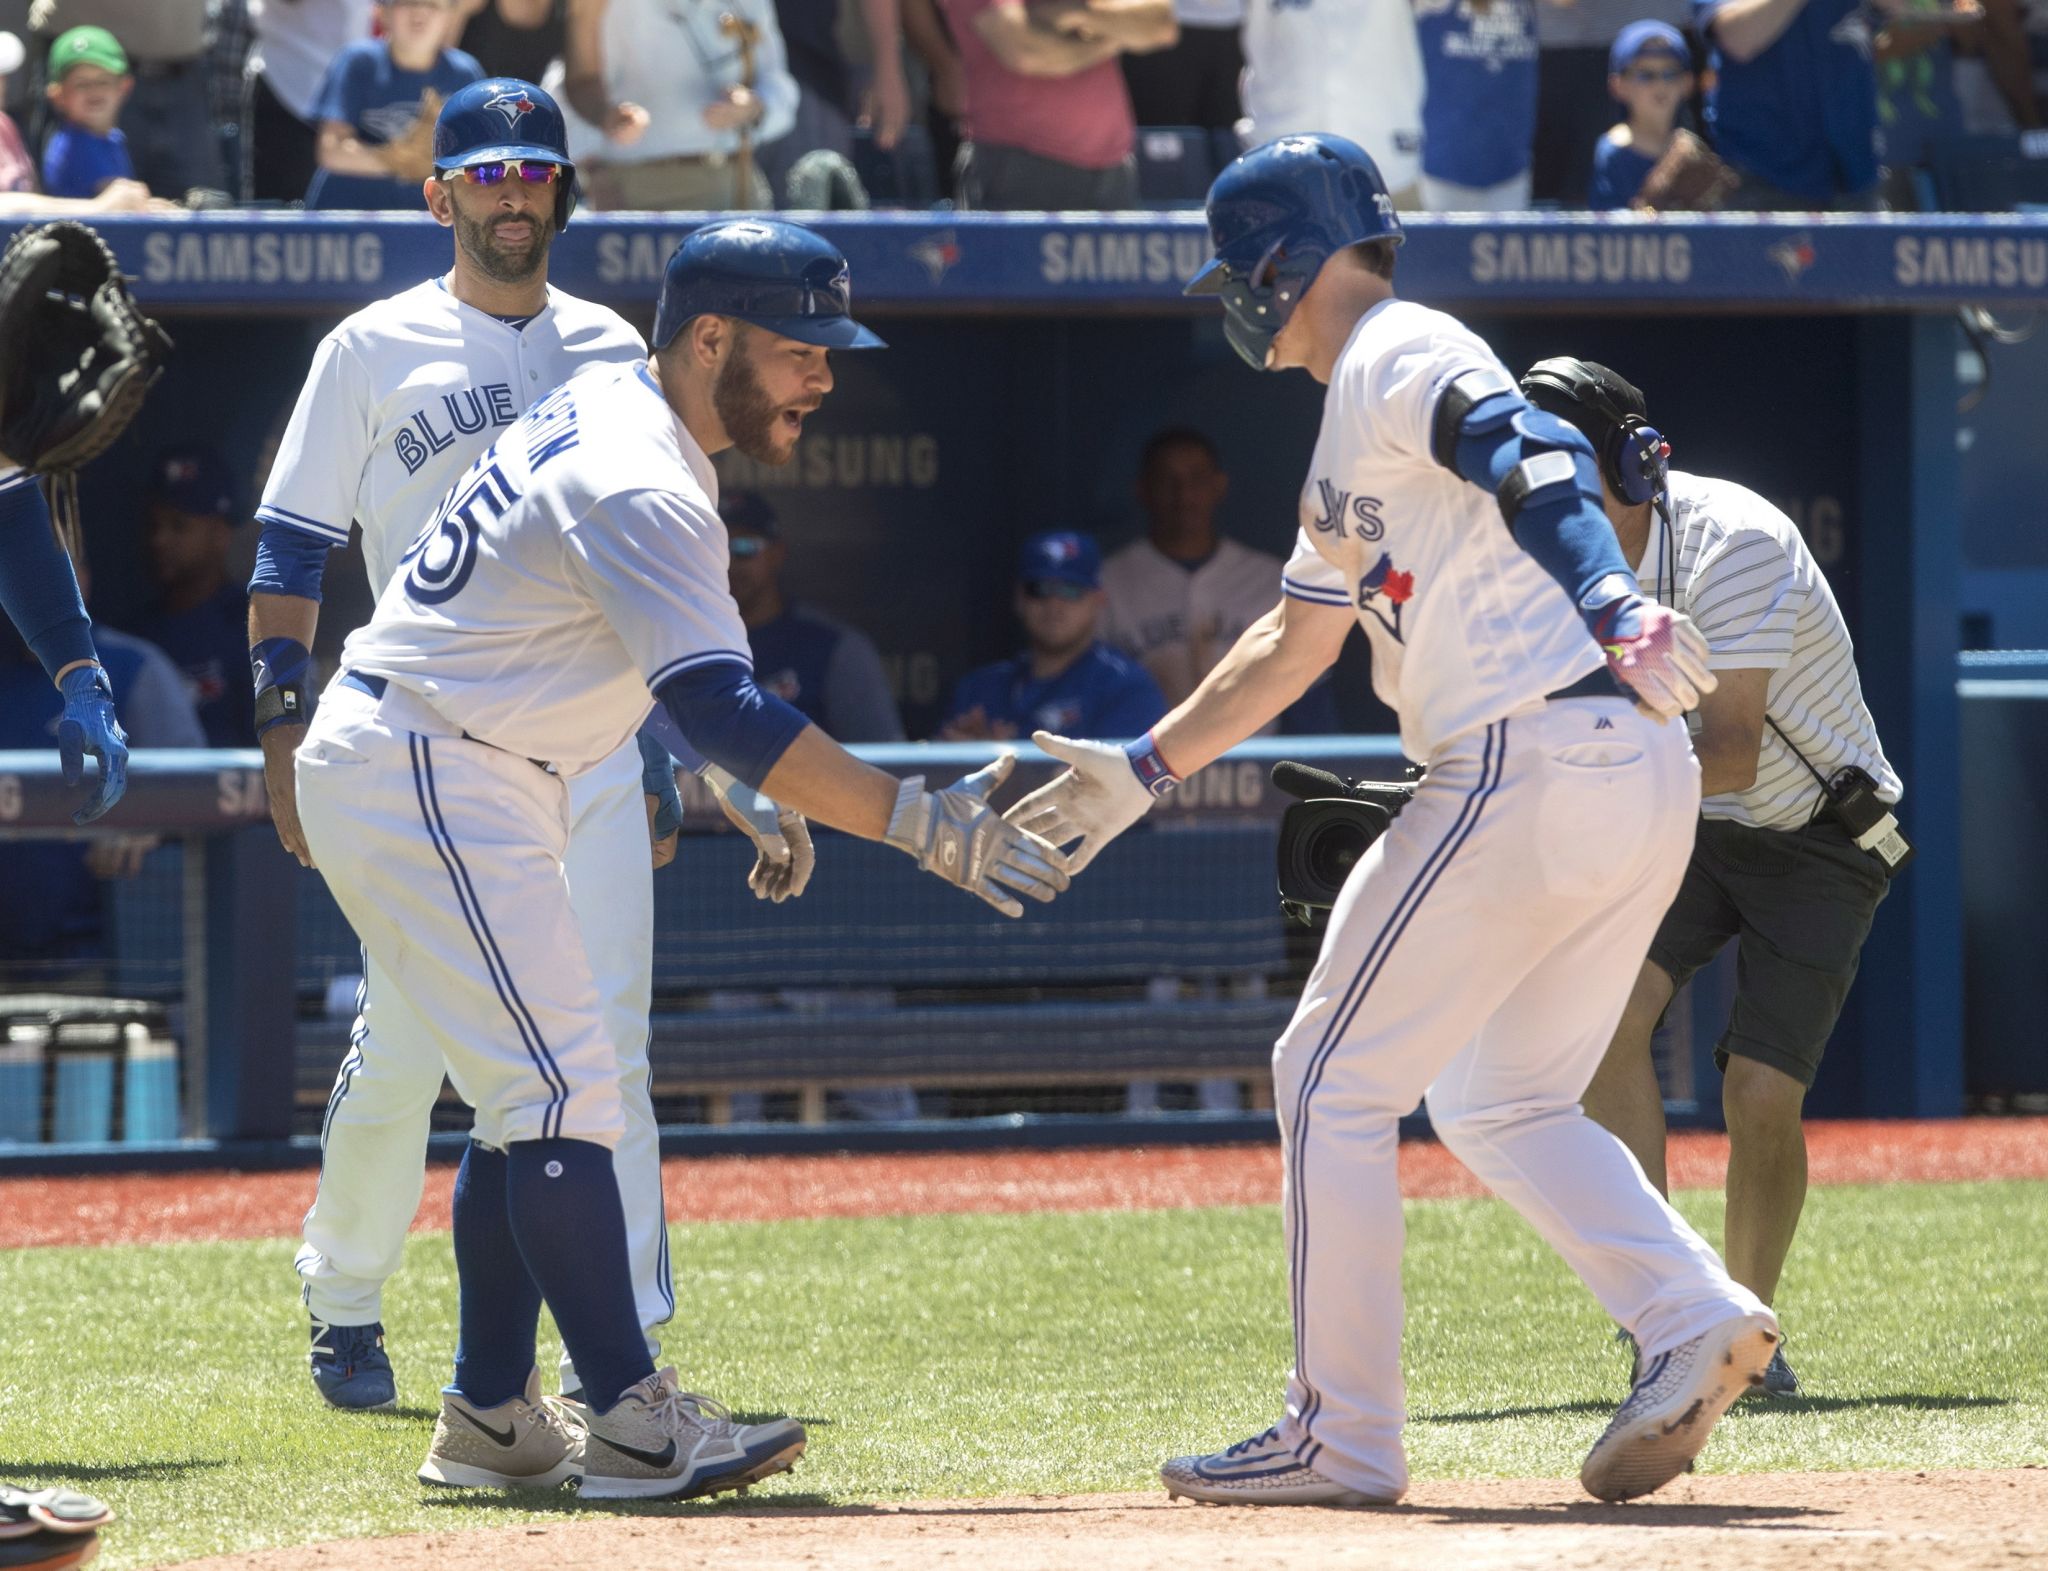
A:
(658, 780)
(89, 726)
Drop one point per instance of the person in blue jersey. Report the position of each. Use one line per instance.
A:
(1793, 108)
(1479, 110)
(201, 615)
(377, 106)
(1065, 677)
(829, 672)
(1649, 73)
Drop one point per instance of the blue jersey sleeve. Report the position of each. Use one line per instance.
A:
(38, 589)
(1133, 706)
(289, 561)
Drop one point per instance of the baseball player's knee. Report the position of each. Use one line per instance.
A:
(1467, 1127)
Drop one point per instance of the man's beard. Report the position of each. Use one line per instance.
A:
(494, 261)
(746, 411)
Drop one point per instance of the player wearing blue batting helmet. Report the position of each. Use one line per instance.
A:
(1275, 216)
(502, 123)
(765, 271)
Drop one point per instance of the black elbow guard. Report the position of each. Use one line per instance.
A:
(1464, 393)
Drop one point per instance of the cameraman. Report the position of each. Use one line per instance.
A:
(1773, 866)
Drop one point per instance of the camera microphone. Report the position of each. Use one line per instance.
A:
(1307, 784)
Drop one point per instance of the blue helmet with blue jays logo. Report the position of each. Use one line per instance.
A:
(503, 118)
(777, 275)
(1275, 216)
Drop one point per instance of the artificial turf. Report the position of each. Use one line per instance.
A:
(938, 1356)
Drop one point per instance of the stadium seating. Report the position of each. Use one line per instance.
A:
(1991, 174)
(1175, 165)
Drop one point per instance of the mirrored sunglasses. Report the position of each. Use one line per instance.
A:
(1055, 589)
(530, 170)
(743, 546)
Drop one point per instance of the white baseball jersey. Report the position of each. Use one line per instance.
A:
(1465, 627)
(1179, 621)
(1743, 574)
(1349, 66)
(403, 395)
(579, 563)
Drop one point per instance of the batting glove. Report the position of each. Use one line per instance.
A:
(1657, 652)
(1106, 789)
(89, 726)
(956, 835)
(784, 856)
(658, 780)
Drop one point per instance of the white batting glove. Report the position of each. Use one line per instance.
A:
(1657, 653)
(1098, 798)
(784, 857)
(956, 835)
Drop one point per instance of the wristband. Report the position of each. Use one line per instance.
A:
(1150, 766)
(279, 666)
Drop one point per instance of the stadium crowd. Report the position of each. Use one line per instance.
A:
(125, 105)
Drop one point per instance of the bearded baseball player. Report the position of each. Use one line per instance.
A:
(1482, 950)
(575, 578)
(401, 397)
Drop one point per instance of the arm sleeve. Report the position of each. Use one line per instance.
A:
(777, 88)
(729, 720)
(340, 97)
(159, 711)
(858, 707)
(289, 561)
(1745, 599)
(325, 449)
(1307, 576)
(38, 589)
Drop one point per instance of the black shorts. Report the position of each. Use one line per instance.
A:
(1800, 903)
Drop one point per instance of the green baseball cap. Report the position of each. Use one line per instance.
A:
(87, 46)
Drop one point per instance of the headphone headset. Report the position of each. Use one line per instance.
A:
(1633, 454)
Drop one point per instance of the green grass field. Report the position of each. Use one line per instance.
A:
(972, 1355)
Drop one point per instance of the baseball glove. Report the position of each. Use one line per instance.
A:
(1689, 178)
(410, 155)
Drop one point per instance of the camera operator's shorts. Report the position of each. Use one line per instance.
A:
(1800, 903)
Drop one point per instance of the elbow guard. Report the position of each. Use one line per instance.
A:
(1486, 432)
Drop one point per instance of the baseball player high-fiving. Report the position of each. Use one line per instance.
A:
(1482, 950)
(576, 567)
(400, 398)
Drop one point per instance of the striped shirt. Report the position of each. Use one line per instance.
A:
(1745, 577)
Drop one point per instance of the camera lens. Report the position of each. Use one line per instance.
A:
(1320, 843)
(1333, 849)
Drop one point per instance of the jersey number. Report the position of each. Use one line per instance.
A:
(440, 561)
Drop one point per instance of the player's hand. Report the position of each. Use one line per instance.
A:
(1657, 653)
(887, 108)
(281, 784)
(956, 835)
(1097, 799)
(783, 854)
(625, 124)
(88, 725)
(664, 801)
(736, 107)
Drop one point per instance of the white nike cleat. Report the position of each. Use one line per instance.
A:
(1261, 1471)
(523, 1443)
(1678, 1398)
(661, 1442)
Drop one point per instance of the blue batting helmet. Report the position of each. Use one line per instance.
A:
(774, 274)
(503, 118)
(1275, 216)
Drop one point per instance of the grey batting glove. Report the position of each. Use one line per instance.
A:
(1097, 799)
(783, 855)
(956, 835)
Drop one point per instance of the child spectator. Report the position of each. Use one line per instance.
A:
(88, 83)
(17, 169)
(1479, 103)
(1650, 72)
(377, 106)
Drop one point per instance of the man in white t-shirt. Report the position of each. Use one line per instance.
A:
(1774, 867)
(295, 42)
(1349, 67)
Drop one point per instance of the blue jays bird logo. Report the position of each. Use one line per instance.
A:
(1383, 591)
(512, 103)
(936, 254)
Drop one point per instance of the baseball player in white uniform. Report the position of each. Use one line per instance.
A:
(1483, 949)
(401, 397)
(577, 567)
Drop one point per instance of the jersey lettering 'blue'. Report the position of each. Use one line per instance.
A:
(434, 578)
(553, 420)
(467, 412)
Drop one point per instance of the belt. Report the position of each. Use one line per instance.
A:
(1596, 683)
(377, 687)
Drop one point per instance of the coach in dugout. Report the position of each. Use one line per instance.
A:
(1788, 759)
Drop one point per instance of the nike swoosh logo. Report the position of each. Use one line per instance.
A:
(664, 1458)
(507, 1436)
(1684, 1420)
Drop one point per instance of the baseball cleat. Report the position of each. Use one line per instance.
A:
(1261, 1471)
(525, 1442)
(1779, 1380)
(1678, 1398)
(49, 1529)
(351, 1368)
(661, 1442)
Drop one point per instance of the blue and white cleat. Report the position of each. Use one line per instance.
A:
(351, 1368)
(1261, 1471)
(1678, 1398)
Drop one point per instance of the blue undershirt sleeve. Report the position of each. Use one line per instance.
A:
(38, 589)
(730, 720)
(289, 562)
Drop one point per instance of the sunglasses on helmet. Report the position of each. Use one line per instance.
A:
(531, 170)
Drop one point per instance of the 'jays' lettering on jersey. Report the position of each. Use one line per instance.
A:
(403, 394)
(1465, 627)
(578, 564)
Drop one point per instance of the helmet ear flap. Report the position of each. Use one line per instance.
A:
(565, 197)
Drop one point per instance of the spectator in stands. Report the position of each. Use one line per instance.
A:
(1048, 116)
(201, 617)
(1572, 103)
(1353, 67)
(296, 41)
(945, 113)
(1194, 82)
(663, 98)
(522, 38)
(1793, 108)
(377, 107)
(1065, 676)
(88, 83)
(168, 118)
(1649, 73)
(827, 102)
(19, 196)
(820, 666)
(1479, 106)
(1994, 79)
(17, 169)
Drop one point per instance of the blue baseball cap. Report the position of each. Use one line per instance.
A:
(1642, 38)
(1063, 557)
(194, 480)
